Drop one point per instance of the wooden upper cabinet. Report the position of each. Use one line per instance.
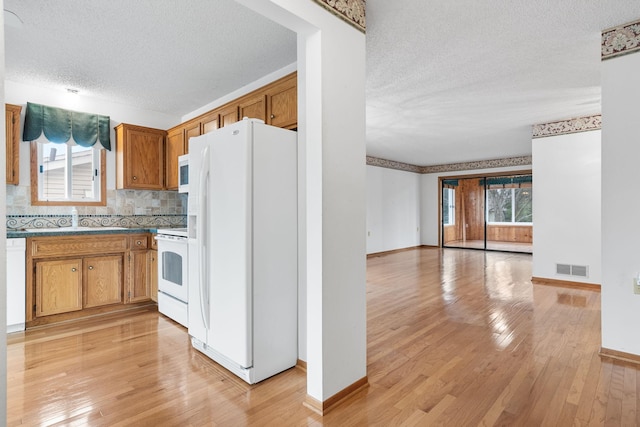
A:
(210, 122)
(228, 115)
(177, 145)
(253, 107)
(139, 157)
(276, 104)
(12, 122)
(191, 130)
(174, 148)
(282, 103)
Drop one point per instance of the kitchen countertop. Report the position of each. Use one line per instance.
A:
(71, 231)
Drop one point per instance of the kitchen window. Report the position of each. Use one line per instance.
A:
(66, 174)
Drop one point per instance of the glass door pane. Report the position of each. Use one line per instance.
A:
(463, 213)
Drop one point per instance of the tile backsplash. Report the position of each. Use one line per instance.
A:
(124, 208)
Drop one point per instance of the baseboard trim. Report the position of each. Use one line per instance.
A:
(322, 408)
(619, 355)
(565, 284)
(393, 251)
(301, 364)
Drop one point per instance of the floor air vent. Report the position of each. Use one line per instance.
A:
(572, 270)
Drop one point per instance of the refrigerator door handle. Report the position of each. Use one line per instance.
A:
(202, 238)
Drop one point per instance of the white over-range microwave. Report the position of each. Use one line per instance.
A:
(183, 173)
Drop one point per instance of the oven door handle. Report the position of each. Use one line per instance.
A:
(177, 239)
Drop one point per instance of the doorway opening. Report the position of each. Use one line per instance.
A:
(487, 212)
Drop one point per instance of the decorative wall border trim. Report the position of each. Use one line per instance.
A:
(451, 167)
(351, 11)
(16, 222)
(392, 164)
(620, 40)
(480, 164)
(562, 127)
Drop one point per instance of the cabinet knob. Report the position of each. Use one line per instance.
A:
(74, 269)
(91, 267)
(135, 178)
(138, 242)
(273, 116)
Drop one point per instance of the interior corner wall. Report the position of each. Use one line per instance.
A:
(393, 209)
(620, 202)
(429, 200)
(566, 205)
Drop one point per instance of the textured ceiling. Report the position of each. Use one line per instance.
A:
(168, 56)
(447, 81)
(464, 80)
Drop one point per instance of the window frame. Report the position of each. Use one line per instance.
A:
(451, 208)
(35, 201)
(513, 209)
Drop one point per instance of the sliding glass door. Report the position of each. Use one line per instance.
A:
(489, 213)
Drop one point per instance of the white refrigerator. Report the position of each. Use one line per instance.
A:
(243, 256)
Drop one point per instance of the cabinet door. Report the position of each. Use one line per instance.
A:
(153, 275)
(189, 132)
(210, 122)
(58, 286)
(283, 104)
(174, 148)
(143, 158)
(12, 130)
(102, 280)
(228, 115)
(253, 108)
(139, 289)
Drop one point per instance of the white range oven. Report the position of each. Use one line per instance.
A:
(173, 274)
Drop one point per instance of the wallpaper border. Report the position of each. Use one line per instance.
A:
(351, 11)
(563, 127)
(620, 40)
(451, 167)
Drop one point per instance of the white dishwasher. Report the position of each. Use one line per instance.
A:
(16, 284)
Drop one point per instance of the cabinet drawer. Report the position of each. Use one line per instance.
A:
(75, 245)
(139, 241)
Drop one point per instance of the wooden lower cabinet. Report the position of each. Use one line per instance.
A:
(139, 286)
(102, 280)
(58, 286)
(153, 274)
(77, 276)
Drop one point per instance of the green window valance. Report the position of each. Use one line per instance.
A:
(60, 125)
(507, 180)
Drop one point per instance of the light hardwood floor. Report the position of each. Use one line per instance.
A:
(455, 338)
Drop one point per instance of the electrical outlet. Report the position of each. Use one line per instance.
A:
(636, 285)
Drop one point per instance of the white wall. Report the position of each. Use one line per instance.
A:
(20, 94)
(331, 76)
(566, 205)
(393, 209)
(3, 246)
(620, 202)
(429, 207)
